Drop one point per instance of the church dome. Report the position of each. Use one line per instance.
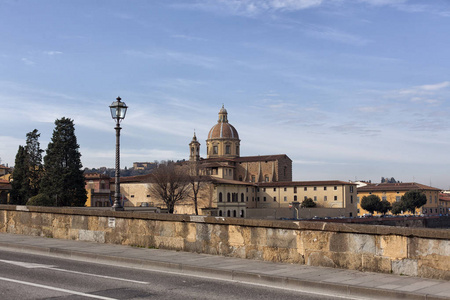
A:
(223, 129)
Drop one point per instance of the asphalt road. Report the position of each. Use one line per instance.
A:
(26, 276)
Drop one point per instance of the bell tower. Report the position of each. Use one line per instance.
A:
(194, 149)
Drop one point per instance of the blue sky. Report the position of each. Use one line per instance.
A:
(355, 89)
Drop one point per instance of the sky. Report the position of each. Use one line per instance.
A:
(348, 89)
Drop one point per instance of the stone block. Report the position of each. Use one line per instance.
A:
(394, 246)
(91, 236)
(374, 263)
(405, 267)
(319, 259)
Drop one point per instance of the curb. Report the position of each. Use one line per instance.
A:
(275, 281)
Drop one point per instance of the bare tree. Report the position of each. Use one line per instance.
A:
(196, 181)
(170, 183)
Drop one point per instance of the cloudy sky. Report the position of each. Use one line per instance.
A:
(348, 89)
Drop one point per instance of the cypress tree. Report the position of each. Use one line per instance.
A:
(63, 181)
(20, 185)
(34, 161)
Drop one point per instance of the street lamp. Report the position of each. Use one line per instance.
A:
(118, 111)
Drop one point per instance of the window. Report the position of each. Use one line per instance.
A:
(234, 213)
(228, 197)
(220, 213)
(246, 198)
(253, 178)
(274, 199)
(285, 189)
(306, 198)
(264, 189)
(383, 198)
(397, 198)
(242, 197)
(315, 188)
(351, 189)
(227, 149)
(285, 198)
(274, 189)
(351, 198)
(324, 198)
(305, 188)
(335, 188)
(237, 150)
(335, 198)
(324, 188)
(220, 197)
(264, 199)
(295, 198)
(215, 150)
(295, 189)
(132, 196)
(315, 198)
(257, 199)
(267, 179)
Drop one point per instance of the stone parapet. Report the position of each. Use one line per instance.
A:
(401, 250)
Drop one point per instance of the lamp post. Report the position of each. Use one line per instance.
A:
(118, 111)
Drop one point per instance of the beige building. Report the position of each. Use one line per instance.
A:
(393, 192)
(237, 184)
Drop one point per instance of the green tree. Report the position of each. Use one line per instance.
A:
(371, 203)
(384, 207)
(63, 181)
(308, 203)
(34, 161)
(397, 208)
(19, 185)
(413, 199)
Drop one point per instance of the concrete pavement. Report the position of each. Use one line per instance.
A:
(336, 282)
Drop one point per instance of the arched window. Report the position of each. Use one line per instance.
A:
(228, 213)
(228, 197)
(242, 197)
(242, 213)
(234, 213)
(220, 213)
(220, 197)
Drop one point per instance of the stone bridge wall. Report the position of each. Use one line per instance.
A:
(409, 251)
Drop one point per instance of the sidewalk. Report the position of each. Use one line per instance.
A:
(336, 282)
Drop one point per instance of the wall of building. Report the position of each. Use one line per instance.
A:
(408, 251)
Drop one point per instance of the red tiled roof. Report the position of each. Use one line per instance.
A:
(444, 197)
(304, 183)
(407, 186)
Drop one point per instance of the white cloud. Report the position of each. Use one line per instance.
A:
(51, 53)
(27, 61)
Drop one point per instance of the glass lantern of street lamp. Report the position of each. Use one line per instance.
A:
(118, 109)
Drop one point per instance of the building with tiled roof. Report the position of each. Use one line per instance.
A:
(236, 186)
(393, 192)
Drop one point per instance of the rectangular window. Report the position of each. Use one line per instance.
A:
(315, 188)
(215, 149)
(335, 198)
(351, 189)
(397, 198)
(264, 199)
(383, 198)
(324, 188)
(306, 198)
(285, 189)
(285, 198)
(274, 189)
(315, 198)
(253, 178)
(305, 188)
(295, 189)
(264, 189)
(295, 198)
(274, 199)
(335, 188)
(227, 149)
(351, 198)
(325, 198)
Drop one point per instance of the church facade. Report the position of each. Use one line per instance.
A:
(245, 186)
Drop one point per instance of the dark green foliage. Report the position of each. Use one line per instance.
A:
(20, 184)
(371, 203)
(384, 207)
(27, 171)
(308, 203)
(40, 200)
(34, 160)
(413, 199)
(63, 181)
(397, 208)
